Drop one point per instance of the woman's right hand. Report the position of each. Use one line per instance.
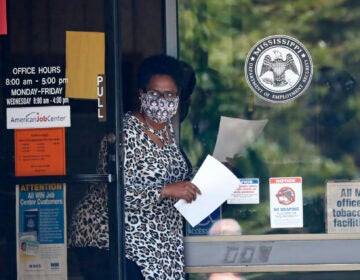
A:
(181, 190)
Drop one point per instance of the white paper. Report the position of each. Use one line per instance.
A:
(216, 183)
(235, 135)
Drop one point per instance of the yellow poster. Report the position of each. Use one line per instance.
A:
(85, 60)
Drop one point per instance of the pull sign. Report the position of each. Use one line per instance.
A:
(101, 97)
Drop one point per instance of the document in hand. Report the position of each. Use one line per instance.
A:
(216, 183)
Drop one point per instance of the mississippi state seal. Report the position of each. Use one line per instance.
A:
(278, 69)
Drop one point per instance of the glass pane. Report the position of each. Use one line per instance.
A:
(41, 72)
(313, 136)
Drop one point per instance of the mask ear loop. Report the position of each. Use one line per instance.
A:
(141, 91)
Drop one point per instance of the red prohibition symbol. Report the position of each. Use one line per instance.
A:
(286, 195)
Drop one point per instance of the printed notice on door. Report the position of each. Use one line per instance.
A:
(286, 202)
(41, 231)
(343, 207)
(246, 193)
(40, 152)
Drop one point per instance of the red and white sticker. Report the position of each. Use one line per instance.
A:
(286, 202)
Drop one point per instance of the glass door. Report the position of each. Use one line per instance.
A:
(64, 68)
(60, 69)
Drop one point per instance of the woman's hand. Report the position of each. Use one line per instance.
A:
(184, 189)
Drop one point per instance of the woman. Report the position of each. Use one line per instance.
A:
(156, 174)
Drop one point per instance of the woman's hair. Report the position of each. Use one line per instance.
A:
(160, 65)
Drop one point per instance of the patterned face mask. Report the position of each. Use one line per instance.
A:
(158, 109)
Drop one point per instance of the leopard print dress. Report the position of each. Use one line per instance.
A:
(89, 225)
(153, 227)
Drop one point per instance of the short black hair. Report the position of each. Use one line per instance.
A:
(160, 64)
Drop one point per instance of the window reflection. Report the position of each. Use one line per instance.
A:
(314, 137)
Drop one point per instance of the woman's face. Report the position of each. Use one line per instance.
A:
(160, 101)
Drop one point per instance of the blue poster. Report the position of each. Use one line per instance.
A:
(41, 231)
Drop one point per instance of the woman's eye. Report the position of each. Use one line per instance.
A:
(153, 93)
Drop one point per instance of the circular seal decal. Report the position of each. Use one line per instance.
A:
(278, 68)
